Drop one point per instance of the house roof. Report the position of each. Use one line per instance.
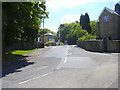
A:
(119, 2)
(110, 11)
(48, 34)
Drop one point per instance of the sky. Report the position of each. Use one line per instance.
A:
(67, 11)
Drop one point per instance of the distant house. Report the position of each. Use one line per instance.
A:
(48, 37)
(108, 25)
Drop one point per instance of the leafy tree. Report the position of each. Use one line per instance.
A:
(63, 31)
(73, 32)
(69, 32)
(46, 30)
(22, 21)
(93, 27)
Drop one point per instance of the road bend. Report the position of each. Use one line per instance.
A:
(65, 67)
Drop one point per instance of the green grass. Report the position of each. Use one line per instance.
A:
(22, 52)
(11, 54)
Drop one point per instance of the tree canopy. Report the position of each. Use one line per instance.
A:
(22, 21)
(85, 22)
(73, 32)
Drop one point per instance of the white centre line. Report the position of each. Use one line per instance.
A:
(66, 54)
(65, 60)
(35, 78)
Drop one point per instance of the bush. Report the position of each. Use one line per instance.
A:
(87, 37)
(62, 43)
(50, 43)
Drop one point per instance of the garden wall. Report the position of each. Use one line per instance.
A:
(100, 45)
(25, 45)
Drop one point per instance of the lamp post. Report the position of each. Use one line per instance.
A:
(43, 32)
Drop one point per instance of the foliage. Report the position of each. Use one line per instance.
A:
(85, 22)
(46, 30)
(11, 54)
(62, 43)
(73, 32)
(87, 37)
(22, 52)
(21, 21)
(93, 27)
(48, 43)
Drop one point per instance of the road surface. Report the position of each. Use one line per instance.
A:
(65, 67)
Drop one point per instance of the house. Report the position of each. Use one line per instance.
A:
(108, 25)
(48, 37)
(107, 33)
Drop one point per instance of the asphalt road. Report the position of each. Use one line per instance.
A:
(65, 67)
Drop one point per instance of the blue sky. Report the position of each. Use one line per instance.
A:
(66, 11)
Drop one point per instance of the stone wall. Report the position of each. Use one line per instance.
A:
(24, 46)
(99, 45)
(113, 45)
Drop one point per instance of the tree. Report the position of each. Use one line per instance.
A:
(22, 21)
(85, 22)
(69, 32)
(93, 27)
(46, 30)
(73, 32)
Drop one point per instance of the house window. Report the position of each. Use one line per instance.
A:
(51, 38)
(106, 18)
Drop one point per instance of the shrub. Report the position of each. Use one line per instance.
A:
(62, 43)
(87, 37)
(50, 43)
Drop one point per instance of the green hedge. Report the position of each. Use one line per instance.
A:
(50, 43)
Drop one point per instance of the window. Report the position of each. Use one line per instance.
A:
(51, 38)
(106, 18)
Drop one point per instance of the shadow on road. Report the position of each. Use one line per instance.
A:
(14, 65)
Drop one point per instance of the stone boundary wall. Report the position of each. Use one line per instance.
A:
(24, 46)
(99, 45)
(113, 46)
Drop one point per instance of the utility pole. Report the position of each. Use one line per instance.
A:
(43, 32)
(43, 29)
(59, 34)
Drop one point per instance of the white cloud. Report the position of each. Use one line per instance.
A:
(66, 19)
(56, 4)
(69, 18)
(52, 4)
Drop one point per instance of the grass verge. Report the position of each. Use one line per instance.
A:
(22, 52)
(11, 54)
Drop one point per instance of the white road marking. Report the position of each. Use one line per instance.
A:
(35, 78)
(69, 54)
(58, 68)
(66, 54)
(46, 73)
(67, 48)
(53, 47)
(65, 60)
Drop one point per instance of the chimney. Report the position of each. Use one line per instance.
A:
(117, 8)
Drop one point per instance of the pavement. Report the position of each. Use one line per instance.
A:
(63, 67)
